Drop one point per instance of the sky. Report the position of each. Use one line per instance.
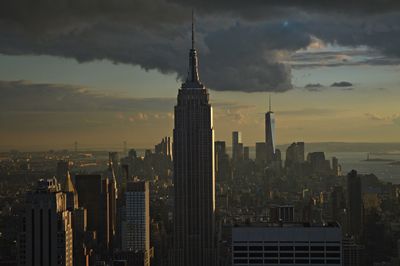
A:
(104, 72)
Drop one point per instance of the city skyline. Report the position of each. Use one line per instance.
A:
(327, 85)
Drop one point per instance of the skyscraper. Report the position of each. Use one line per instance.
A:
(194, 180)
(62, 172)
(46, 230)
(294, 154)
(93, 195)
(270, 133)
(237, 146)
(354, 204)
(223, 170)
(136, 223)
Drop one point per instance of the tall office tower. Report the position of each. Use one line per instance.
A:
(294, 154)
(354, 205)
(62, 172)
(261, 153)
(112, 200)
(94, 197)
(336, 167)
(270, 133)
(136, 222)
(287, 244)
(318, 163)
(237, 146)
(194, 179)
(46, 232)
(222, 165)
(246, 153)
(337, 205)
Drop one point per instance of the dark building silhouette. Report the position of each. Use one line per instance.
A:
(261, 153)
(246, 153)
(318, 163)
(354, 205)
(93, 195)
(46, 235)
(270, 134)
(294, 154)
(194, 180)
(223, 170)
(237, 146)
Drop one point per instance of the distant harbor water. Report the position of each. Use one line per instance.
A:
(384, 170)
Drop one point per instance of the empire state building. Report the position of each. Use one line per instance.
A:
(194, 178)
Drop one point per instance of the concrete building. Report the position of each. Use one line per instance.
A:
(46, 237)
(136, 223)
(286, 244)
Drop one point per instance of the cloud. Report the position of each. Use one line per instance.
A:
(314, 87)
(242, 47)
(24, 96)
(391, 119)
(342, 84)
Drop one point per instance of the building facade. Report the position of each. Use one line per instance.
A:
(286, 244)
(194, 177)
(46, 237)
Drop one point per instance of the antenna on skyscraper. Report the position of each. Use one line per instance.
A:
(192, 29)
(270, 106)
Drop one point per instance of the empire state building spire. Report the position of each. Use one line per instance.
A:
(193, 80)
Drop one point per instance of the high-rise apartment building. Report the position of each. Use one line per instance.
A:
(46, 237)
(136, 224)
(194, 179)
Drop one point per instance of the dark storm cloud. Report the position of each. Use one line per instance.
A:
(342, 84)
(241, 45)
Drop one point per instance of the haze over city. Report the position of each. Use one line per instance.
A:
(100, 73)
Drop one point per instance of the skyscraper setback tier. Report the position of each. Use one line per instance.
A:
(194, 180)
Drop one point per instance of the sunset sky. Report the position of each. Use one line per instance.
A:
(103, 72)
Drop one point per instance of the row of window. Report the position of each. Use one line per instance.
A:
(283, 261)
(290, 254)
(286, 248)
